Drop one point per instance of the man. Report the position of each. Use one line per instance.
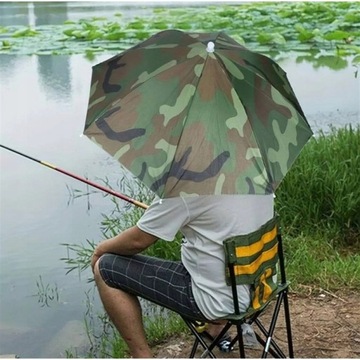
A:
(194, 287)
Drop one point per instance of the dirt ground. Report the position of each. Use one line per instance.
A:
(325, 325)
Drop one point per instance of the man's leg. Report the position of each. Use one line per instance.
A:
(215, 329)
(124, 311)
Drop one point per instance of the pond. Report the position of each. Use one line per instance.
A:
(43, 107)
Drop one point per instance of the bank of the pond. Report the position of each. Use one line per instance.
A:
(324, 325)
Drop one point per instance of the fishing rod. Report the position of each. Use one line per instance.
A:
(93, 184)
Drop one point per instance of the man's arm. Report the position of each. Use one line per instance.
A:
(128, 242)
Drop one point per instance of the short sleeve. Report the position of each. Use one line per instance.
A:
(164, 218)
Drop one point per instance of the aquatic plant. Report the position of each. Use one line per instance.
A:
(330, 27)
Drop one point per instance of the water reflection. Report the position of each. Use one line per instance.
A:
(54, 71)
(14, 13)
(328, 61)
(316, 58)
(54, 76)
(33, 13)
(9, 65)
(54, 13)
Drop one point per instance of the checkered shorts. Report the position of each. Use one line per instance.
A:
(166, 283)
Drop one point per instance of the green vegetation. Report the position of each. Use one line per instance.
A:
(313, 261)
(331, 27)
(319, 205)
(321, 193)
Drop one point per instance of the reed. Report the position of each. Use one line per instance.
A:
(321, 192)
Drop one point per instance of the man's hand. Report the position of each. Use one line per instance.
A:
(96, 256)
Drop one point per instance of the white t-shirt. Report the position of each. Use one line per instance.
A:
(205, 222)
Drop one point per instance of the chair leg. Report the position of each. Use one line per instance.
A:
(194, 348)
(208, 349)
(240, 341)
(270, 346)
(288, 325)
(198, 340)
(272, 325)
(274, 353)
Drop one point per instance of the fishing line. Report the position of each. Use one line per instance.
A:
(91, 183)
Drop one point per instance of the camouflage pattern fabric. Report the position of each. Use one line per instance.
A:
(195, 114)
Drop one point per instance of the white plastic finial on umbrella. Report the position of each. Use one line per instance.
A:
(210, 47)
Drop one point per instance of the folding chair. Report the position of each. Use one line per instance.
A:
(253, 259)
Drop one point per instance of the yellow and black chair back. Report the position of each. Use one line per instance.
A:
(251, 260)
(255, 259)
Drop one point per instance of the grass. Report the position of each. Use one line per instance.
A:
(157, 330)
(313, 261)
(319, 204)
(321, 192)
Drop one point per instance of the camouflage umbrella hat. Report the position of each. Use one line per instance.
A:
(197, 113)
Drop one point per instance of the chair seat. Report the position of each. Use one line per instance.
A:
(250, 312)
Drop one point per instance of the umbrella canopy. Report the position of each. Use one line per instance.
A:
(197, 113)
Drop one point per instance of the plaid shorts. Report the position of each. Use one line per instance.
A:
(163, 282)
